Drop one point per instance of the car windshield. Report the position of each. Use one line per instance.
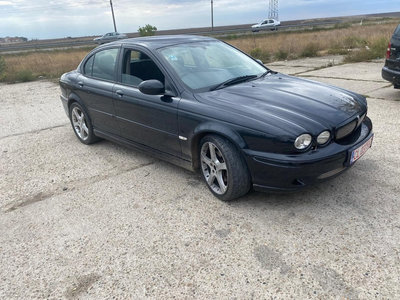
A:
(203, 66)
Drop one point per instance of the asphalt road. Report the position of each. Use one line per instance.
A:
(103, 221)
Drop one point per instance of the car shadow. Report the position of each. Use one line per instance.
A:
(346, 190)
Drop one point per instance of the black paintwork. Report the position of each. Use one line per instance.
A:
(262, 118)
(391, 70)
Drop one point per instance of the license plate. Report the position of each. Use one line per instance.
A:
(360, 151)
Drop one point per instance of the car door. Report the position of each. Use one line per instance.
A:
(109, 36)
(96, 89)
(149, 120)
(264, 24)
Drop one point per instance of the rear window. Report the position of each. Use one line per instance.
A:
(397, 31)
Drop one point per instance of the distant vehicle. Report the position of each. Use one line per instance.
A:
(270, 24)
(110, 37)
(391, 70)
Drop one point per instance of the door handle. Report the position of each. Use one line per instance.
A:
(80, 83)
(120, 93)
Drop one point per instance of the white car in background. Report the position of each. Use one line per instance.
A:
(110, 37)
(270, 24)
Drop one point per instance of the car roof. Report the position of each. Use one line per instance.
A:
(155, 42)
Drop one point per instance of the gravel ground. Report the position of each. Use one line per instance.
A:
(103, 221)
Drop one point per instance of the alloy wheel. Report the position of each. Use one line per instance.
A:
(79, 123)
(214, 168)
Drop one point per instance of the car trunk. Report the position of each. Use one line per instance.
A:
(393, 59)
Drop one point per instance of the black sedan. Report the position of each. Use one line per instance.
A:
(205, 105)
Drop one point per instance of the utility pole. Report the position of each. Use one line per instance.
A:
(212, 15)
(112, 11)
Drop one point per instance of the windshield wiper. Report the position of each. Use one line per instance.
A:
(265, 73)
(233, 81)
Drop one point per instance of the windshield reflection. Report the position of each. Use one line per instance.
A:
(204, 65)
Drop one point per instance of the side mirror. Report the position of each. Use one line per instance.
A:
(152, 87)
(260, 61)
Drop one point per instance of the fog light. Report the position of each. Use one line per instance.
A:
(303, 141)
(323, 137)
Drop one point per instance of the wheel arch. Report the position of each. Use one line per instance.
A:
(216, 129)
(74, 98)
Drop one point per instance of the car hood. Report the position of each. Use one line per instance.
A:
(289, 103)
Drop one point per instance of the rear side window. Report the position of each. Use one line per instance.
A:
(104, 64)
(88, 66)
(397, 31)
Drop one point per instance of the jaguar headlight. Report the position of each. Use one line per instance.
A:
(323, 137)
(303, 141)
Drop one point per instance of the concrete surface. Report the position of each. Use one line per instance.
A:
(102, 221)
(293, 67)
(388, 93)
(363, 71)
(366, 88)
(20, 103)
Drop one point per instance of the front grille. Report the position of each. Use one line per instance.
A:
(345, 130)
(350, 127)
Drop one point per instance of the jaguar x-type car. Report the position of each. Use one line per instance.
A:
(205, 105)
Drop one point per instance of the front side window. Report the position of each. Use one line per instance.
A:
(138, 67)
(204, 65)
(104, 64)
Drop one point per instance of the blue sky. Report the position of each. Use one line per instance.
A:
(61, 18)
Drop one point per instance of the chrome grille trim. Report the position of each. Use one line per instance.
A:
(345, 130)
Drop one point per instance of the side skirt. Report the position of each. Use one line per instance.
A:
(145, 149)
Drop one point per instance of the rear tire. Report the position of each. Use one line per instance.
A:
(224, 170)
(81, 124)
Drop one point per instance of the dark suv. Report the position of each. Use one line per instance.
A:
(391, 70)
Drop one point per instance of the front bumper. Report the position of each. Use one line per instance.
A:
(281, 172)
(391, 75)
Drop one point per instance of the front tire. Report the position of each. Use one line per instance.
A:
(223, 169)
(81, 124)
